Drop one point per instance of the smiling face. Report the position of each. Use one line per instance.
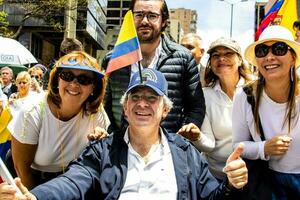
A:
(274, 68)
(73, 93)
(224, 62)
(144, 108)
(148, 31)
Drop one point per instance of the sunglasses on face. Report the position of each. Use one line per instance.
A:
(82, 79)
(150, 98)
(278, 49)
(35, 76)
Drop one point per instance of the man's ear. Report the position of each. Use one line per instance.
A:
(165, 112)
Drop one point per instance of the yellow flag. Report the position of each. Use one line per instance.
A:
(287, 14)
(5, 118)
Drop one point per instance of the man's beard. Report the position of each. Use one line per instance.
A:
(149, 38)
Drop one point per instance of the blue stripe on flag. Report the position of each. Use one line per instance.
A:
(125, 48)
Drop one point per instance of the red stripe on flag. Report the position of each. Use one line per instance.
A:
(265, 23)
(123, 61)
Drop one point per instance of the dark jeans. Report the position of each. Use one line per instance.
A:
(286, 186)
(43, 177)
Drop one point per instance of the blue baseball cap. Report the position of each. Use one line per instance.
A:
(150, 78)
(73, 64)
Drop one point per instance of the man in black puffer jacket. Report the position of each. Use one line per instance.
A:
(173, 60)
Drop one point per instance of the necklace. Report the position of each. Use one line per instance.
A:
(61, 139)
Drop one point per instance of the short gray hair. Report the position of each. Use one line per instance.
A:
(7, 68)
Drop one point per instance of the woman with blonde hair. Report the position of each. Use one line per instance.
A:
(270, 127)
(55, 131)
(36, 75)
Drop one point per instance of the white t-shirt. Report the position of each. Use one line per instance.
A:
(216, 141)
(59, 142)
(272, 116)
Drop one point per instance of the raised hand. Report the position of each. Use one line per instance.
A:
(190, 131)
(236, 169)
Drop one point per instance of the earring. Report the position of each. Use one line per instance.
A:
(292, 74)
(92, 94)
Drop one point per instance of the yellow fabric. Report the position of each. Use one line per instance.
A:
(5, 118)
(127, 31)
(287, 14)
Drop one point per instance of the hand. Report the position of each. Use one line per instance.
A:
(190, 131)
(98, 133)
(235, 169)
(277, 145)
(35, 86)
(9, 192)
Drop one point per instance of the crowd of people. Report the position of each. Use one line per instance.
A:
(174, 130)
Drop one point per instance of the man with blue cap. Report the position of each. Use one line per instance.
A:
(144, 161)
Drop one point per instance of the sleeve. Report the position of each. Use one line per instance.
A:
(81, 180)
(108, 98)
(103, 120)
(25, 125)
(207, 139)
(207, 186)
(194, 103)
(242, 117)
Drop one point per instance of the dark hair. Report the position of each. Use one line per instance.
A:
(70, 44)
(93, 102)
(296, 24)
(164, 11)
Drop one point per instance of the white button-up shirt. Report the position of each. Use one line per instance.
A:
(152, 180)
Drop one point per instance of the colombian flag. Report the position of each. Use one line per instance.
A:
(283, 12)
(5, 139)
(270, 16)
(127, 48)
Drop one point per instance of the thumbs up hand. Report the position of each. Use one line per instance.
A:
(236, 169)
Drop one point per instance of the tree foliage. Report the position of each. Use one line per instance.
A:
(4, 31)
(50, 11)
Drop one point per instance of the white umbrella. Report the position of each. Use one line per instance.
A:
(13, 52)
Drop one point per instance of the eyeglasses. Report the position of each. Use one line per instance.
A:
(82, 79)
(150, 98)
(278, 49)
(152, 17)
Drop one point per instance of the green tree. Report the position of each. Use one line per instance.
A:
(51, 11)
(4, 31)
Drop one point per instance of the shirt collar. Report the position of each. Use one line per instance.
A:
(163, 138)
(240, 83)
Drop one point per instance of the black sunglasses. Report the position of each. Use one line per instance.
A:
(278, 49)
(35, 76)
(82, 79)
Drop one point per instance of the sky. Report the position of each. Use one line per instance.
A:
(214, 17)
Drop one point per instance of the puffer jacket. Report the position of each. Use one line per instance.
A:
(184, 88)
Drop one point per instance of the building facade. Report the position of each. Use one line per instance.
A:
(187, 17)
(44, 40)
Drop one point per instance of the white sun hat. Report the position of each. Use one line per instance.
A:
(274, 33)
